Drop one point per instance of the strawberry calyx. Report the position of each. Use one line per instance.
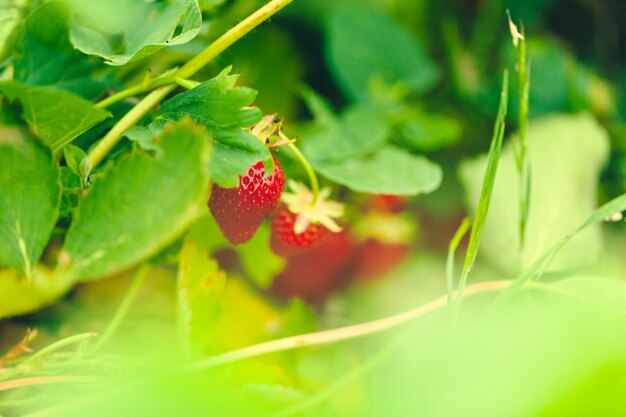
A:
(311, 209)
(269, 131)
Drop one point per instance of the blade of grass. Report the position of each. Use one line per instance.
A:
(454, 244)
(536, 270)
(487, 189)
(123, 308)
(32, 360)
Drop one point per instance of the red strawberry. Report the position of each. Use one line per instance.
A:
(239, 211)
(388, 203)
(303, 220)
(285, 241)
(313, 275)
(374, 258)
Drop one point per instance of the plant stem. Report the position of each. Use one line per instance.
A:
(315, 185)
(122, 310)
(343, 333)
(61, 344)
(107, 143)
(482, 208)
(454, 244)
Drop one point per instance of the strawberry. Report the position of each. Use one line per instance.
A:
(285, 241)
(374, 258)
(388, 203)
(315, 274)
(303, 220)
(239, 211)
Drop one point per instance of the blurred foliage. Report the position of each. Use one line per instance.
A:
(385, 97)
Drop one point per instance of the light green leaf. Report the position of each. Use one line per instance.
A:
(46, 57)
(258, 260)
(566, 154)
(140, 206)
(388, 171)
(29, 199)
(603, 292)
(121, 31)
(364, 44)
(73, 156)
(20, 297)
(200, 286)
(55, 116)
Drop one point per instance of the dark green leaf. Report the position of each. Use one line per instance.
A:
(55, 116)
(47, 58)
(224, 110)
(121, 31)
(429, 132)
(29, 199)
(216, 104)
(139, 207)
(359, 131)
(388, 171)
(365, 44)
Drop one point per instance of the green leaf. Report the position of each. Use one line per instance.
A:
(603, 292)
(258, 260)
(121, 31)
(20, 297)
(234, 153)
(73, 157)
(216, 104)
(200, 286)
(429, 132)
(388, 171)
(46, 57)
(358, 131)
(29, 199)
(55, 116)
(140, 206)
(567, 154)
(364, 44)
(224, 110)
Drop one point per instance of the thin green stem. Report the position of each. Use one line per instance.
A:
(315, 186)
(123, 308)
(187, 84)
(99, 152)
(48, 350)
(454, 244)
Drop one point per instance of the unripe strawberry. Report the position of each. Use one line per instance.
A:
(239, 211)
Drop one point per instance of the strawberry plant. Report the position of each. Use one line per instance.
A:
(247, 207)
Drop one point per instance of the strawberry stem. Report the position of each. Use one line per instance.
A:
(102, 148)
(315, 186)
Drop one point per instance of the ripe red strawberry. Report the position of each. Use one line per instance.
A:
(315, 274)
(303, 220)
(239, 211)
(388, 203)
(285, 241)
(374, 258)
